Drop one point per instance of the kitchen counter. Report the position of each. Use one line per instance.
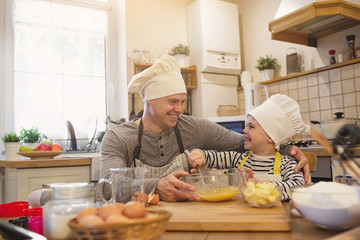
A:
(301, 228)
(56, 162)
(20, 177)
(320, 151)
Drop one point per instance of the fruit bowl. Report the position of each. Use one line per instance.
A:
(328, 205)
(217, 185)
(36, 155)
(262, 195)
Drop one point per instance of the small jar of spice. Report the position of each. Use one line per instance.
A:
(332, 56)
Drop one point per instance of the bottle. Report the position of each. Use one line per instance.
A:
(66, 201)
(332, 56)
(350, 39)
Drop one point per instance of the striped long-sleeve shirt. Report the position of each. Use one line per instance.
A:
(258, 164)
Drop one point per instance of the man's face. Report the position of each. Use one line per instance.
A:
(165, 111)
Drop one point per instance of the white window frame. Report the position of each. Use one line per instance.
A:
(116, 80)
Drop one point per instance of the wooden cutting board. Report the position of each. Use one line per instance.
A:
(232, 215)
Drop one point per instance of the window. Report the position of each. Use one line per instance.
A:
(59, 65)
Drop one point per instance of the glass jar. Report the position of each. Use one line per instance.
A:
(66, 201)
(332, 56)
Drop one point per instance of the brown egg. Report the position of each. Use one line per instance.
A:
(117, 218)
(120, 206)
(153, 198)
(139, 196)
(134, 209)
(108, 209)
(85, 212)
(91, 221)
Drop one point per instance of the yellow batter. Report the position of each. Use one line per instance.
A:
(218, 194)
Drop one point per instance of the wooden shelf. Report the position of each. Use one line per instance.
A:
(189, 74)
(319, 19)
(299, 74)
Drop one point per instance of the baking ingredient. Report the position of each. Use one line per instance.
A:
(134, 209)
(55, 147)
(153, 199)
(91, 221)
(117, 218)
(26, 148)
(218, 194)
(327, 195)
(261, 193)
(56, 227)
(108, 209)
(139, 196)
(43, 147)
(86, 212)
(120, 206)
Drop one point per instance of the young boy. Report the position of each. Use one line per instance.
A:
(272, 123)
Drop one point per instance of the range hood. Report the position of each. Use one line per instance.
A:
(316, 20)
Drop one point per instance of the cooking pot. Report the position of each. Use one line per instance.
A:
(330, 128)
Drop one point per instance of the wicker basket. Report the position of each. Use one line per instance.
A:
(148, 228)
(227, 110)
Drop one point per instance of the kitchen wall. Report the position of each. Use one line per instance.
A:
(322, 94)
(163, 24)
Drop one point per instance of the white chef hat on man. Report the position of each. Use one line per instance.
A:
(162, 79)
(280, 118)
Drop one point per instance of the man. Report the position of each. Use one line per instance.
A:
(158, 139)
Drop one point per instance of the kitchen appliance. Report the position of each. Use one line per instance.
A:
(330, 128)
(234, 123)
(254, 95)
(213, 35)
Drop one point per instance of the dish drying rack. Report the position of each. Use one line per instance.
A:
(83, 145)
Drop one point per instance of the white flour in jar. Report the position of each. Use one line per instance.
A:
(56, 227)
(327, 195)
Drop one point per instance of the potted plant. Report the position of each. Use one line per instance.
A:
(12, 145)
(180, 52)
(30, 136)
(267, 66)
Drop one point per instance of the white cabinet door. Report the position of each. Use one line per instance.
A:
(18, 183)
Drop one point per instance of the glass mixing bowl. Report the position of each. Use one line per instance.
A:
(218, 184)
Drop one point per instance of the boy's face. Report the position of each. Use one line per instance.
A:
(256, 139)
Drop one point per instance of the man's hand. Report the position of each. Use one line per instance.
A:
(303, 162)
(171, 189)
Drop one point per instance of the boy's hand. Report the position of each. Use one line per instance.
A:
(195, 158)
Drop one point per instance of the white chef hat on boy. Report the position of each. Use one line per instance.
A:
(280, 118)
(162, 79)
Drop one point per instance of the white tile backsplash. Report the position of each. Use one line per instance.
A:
(322, 94)
(347, 72)
(312, 79)
(324, 90)
(334, 75)
(323, 77)
(348, 86)
(313, 92)
(325, 103)
(349, 100)
(335, 88)
(302, 82)
(336, 101)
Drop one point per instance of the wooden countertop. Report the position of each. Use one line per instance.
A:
(301, 228)
(322, 152)
(56, 162)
